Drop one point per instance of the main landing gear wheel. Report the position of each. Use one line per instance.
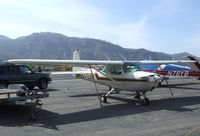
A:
(3, 85)
(104, 99)
(137, 96)
(117, 91)
(43, 84)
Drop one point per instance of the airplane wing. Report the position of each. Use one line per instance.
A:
(88, 63)
(165, 61)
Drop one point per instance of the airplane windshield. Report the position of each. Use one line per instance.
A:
(131, 68)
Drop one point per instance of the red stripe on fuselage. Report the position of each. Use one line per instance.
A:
(89, 76)
(119, 79)
(176, 72)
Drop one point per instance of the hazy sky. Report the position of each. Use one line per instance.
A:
(169, 26)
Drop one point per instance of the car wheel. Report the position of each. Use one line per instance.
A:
(43, 84)
(3, 85)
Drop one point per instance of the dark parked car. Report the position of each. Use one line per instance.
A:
(21, 74)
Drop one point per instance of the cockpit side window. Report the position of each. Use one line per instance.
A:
(114, 69)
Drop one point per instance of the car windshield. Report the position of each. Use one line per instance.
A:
(25, 70)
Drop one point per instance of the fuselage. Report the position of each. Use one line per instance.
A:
(125, 81)
(172, 71)
(177, 73)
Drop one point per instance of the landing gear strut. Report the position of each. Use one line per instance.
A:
(137, 95)
(117, 91)
(104, 97)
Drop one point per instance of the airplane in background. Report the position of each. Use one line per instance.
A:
(120, 75)
(174, 71)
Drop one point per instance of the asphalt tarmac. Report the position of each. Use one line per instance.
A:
(73, 109)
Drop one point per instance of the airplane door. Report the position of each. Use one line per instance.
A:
(116, 70)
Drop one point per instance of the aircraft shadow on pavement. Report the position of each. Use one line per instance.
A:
(178, 84)
(16, 116)
(86, 95)
(181, 86)
(51, 90)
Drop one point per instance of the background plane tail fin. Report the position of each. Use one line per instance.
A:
(195, 65)
(76, 56)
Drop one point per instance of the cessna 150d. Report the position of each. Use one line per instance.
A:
(173, 71)
(120, 75)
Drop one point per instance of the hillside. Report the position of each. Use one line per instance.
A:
(48, 45)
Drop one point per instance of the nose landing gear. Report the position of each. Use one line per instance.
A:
(139, 101)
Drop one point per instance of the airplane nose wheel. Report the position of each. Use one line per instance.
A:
(139, 101)
(104, 99)
(145, 102)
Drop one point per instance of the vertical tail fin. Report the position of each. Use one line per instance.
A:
(194, 66)
(76, 56)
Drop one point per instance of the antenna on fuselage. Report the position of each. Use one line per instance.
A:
(107, 57)
(123, 57)
(150, 57)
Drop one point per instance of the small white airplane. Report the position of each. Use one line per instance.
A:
(119, 75)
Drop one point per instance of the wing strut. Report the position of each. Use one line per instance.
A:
(164, 78)
(95, 84)
(169, 87)
(111, 79)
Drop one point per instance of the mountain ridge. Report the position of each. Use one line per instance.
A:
(48, 45)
